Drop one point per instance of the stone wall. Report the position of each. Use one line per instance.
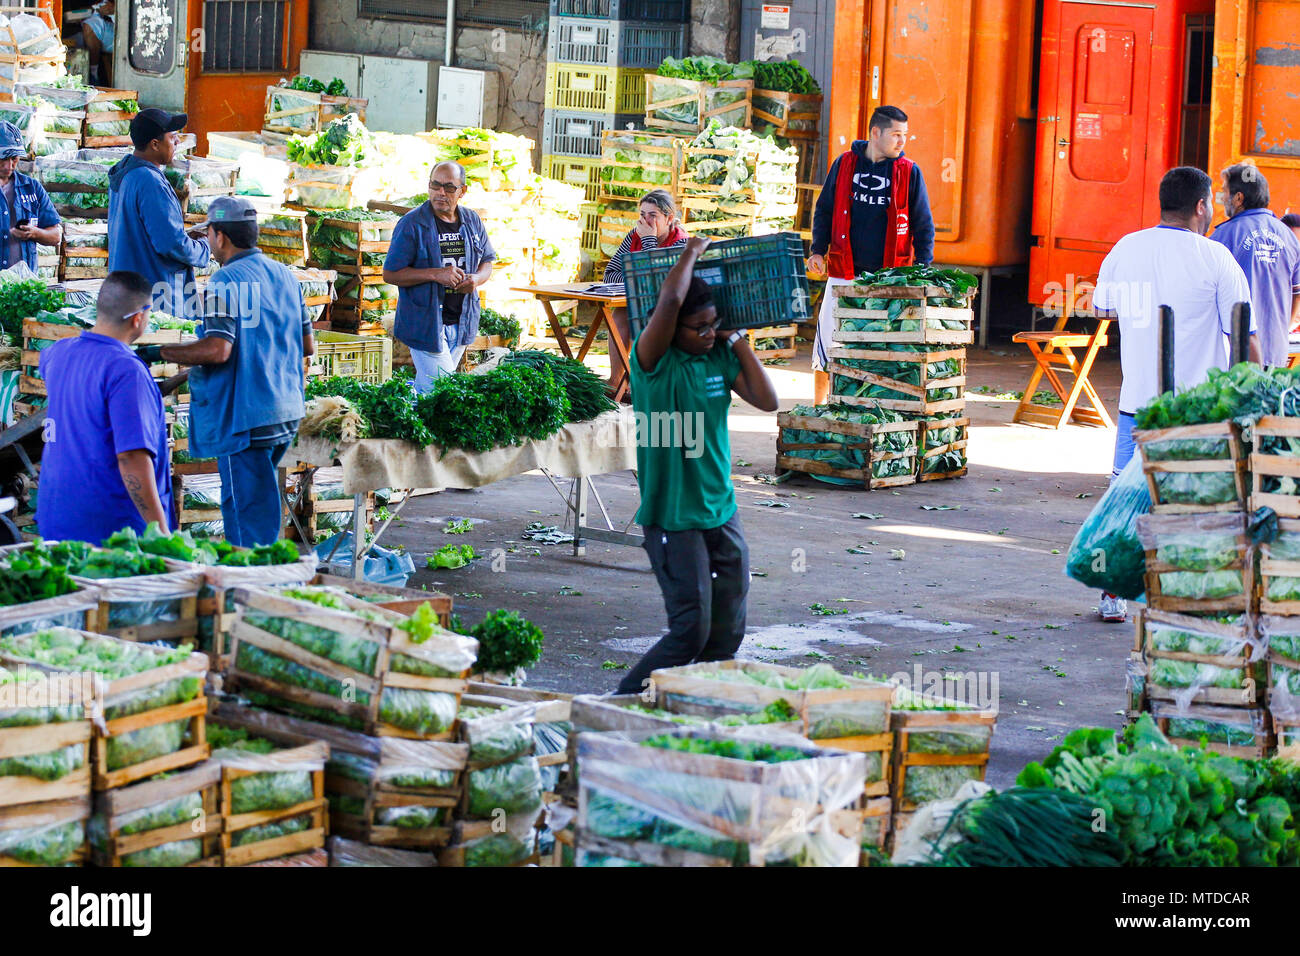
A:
(518, 56)
(715, 29)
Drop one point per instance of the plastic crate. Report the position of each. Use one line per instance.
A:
(756, 282)
(574, 171)
(638, 44)
(590, 213)
(367, 358)
(571, 133)
(665, 11)
(595, 89)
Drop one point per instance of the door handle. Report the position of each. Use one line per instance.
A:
(1062, 142)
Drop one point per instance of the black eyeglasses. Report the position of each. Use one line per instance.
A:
(445, 187)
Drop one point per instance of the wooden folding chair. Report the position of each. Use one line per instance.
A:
(1053, 351)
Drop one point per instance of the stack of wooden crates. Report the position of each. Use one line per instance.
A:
(899, 353)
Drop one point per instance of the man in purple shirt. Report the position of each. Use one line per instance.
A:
(105, 464)
(1267, 251)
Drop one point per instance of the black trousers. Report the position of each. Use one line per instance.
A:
(704, 577)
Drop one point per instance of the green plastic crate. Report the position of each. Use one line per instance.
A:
(756, 281)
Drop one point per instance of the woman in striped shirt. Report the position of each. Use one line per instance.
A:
(657, 228)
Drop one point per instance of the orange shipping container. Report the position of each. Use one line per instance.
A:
(963, 72)
(1255, 112)
(1123, 97)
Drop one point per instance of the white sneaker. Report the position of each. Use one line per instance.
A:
(1111, 608)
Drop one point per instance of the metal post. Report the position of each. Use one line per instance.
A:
(449, 45)
(580, 519)
(1240, 333)
(1165, 353)
(358, 535)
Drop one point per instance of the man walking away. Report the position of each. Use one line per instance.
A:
(439, 257)
(683, 376)
(873, 213)
(105, 465)
(146, 228)
(247, 387)
(1267, 251)
(1171, 264)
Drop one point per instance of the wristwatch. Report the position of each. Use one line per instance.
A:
(731, 339)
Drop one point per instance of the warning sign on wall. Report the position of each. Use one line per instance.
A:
(775, 17)
(1087, 126)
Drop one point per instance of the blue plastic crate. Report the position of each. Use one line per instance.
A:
(642, 44)
(757, 281)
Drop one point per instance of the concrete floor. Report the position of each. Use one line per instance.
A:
(980, 588)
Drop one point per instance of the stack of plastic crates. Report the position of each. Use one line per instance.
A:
(598, 52)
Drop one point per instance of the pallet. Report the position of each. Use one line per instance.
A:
(920, 311)
(911, 727)
(1154, 528)
(41, 738)
(204, 779)
(1234, 463)
(30, 816)
(959, 444)
(866, 433)
(1267, 465)
(660, 96)
(297, 751)
(388, 636)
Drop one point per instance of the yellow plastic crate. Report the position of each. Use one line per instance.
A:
(575, 171)
(368, 358)
(595, 89)
(590, 213)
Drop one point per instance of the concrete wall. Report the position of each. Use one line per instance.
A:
(519, 57)
(715, 29)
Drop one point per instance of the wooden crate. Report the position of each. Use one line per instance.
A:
(877, 819)
(1154, 528)
(1266, 465)
(910, 728)
(103, 94)
(320, 110)
(467, 832)
(666, 147)
(866, 434)
(786, 333)
(18, 64)
(402, 600)
(308, 510)
(216, 603)
(1249, 694)
(29, 384)
(1271, 568)
(919, 403)
(661, 96)
(1166, 712)
(75, 610)
(387, 635)
(287, 239)
(180, 583)
(959, 444)
(21, 741)
(345, 852)
(204, 780)
(780, 109)
(1233, 463)
(298, 749)
(68, 251)
(919, 311)
(771, 801)
(356, 265)
(32, 815)
(225, 171)
(318, 857)
(351, 296)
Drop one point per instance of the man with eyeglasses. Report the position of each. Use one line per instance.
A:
(105, 464)
(439, 256)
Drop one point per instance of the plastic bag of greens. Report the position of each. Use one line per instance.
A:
(514, 787)
(507, 847)
(495, 736)
(345, 852)
(410, 818)
(1106, 553)
(1220, 636)
(420, 711)
(48, 845)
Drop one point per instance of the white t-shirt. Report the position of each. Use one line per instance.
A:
(1195, 277)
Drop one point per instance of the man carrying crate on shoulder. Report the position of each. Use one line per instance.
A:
(680, 370)
(247, 389)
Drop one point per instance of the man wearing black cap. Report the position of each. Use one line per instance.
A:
(146, 228)
(26, 216)
(247, 389)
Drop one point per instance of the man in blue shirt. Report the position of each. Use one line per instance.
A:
(105, 465)
(146, 228)
(246, 391)
(26, 216)
(439, 256)
(1267, 251)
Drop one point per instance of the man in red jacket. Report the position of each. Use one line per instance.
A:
(873, 213)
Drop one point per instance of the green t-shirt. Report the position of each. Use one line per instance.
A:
(683, 454)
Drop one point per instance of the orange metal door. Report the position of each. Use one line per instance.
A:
(1101, 115)
(243, 47)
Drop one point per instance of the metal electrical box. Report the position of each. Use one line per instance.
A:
(467, 97)
(802, 30)
(402, 93)
(324, 65)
